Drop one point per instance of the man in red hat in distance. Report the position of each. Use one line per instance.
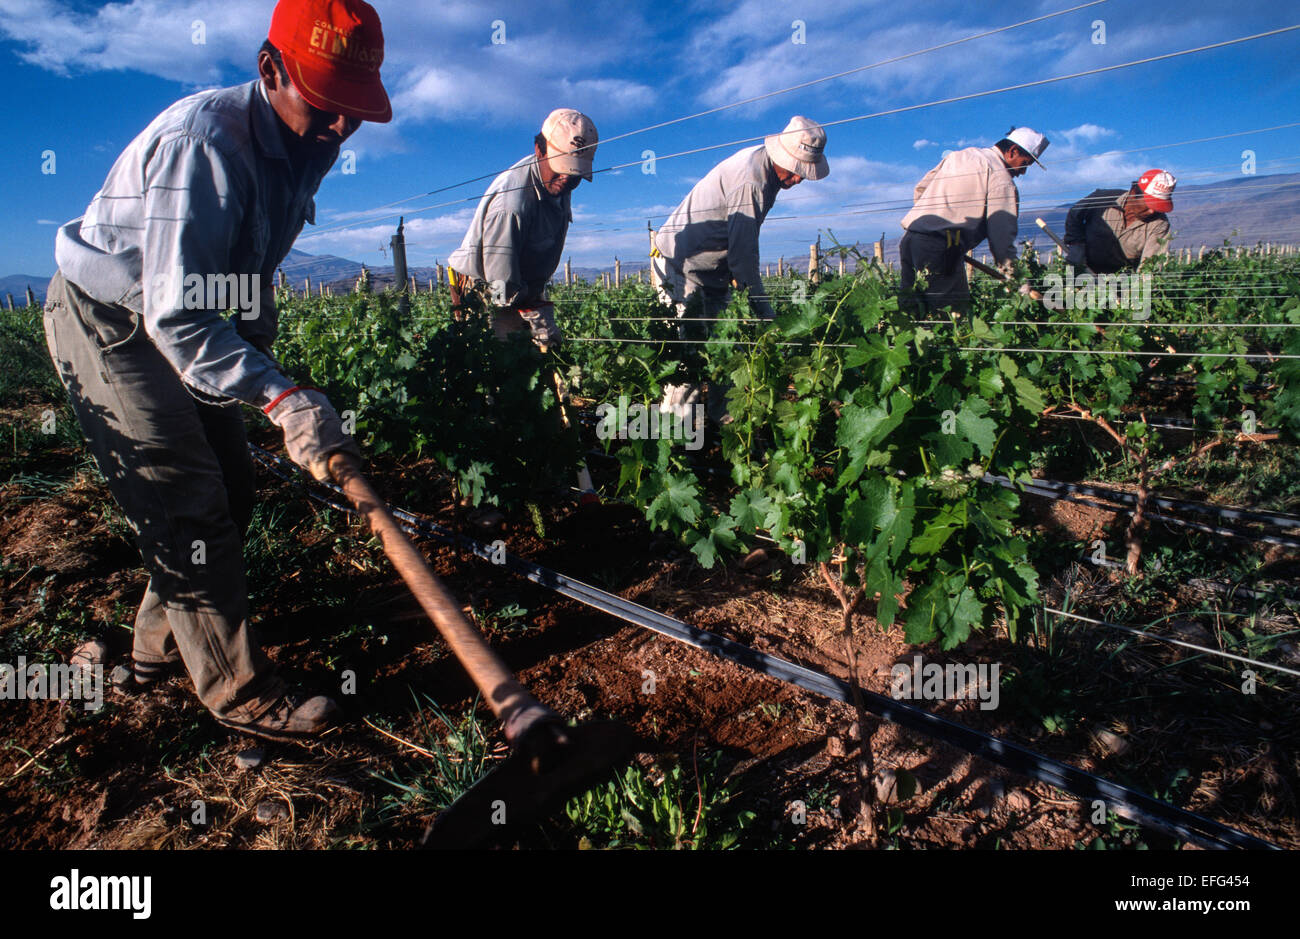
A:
(1117, 229)
(157, 362)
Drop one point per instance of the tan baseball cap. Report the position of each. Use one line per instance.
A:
(570, 142)
(799, 148)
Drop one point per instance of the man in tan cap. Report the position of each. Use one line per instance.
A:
(214, 190)
(1117, 229)
(710, 242)
(971, 195)
(516, 239)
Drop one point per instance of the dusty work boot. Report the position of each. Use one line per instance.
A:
(291, 718)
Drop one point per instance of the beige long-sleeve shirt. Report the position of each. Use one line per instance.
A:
(713, 235)
(971, 190)
(1097, 221)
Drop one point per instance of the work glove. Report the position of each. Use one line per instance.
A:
(312, 430)
(1007, 268)
(680, 400)
(1076, 255)
(541, 322)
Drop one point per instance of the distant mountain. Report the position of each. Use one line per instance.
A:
(321, 268)
(17, 284)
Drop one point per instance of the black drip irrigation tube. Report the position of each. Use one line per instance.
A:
(1059, 491)
(1135, 805)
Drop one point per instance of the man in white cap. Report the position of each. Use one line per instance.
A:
(516, 239)
(1117, 229)
(710, 242)
(971, 195)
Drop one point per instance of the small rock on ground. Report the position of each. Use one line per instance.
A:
(270, 811)
(251, 758)
(93, 652)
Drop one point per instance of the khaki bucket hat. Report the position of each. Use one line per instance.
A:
(799, 147)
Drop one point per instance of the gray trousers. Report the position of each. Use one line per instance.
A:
(180, 471)
(926, 252)
(694, 304)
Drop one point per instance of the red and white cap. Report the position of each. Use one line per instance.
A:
(1157, 187)
(332, 50)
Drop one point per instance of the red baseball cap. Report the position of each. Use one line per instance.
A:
(332, 50)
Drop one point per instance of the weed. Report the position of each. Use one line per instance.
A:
(683, 810)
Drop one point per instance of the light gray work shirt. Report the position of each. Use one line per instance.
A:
(712, 237)
(206, 189)
(517, 236)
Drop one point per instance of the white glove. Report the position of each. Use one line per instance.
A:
(1076, 255)
(312, 430)
(1007, 269)
(680, 400)
(541, 322)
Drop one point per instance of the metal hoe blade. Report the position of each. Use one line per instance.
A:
(551, 764)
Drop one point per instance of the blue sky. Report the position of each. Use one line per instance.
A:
(81, 79)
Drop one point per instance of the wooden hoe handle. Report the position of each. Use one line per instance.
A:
(510, 701)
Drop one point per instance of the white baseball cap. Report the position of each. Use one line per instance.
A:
(799, 147)
(1028, 140)
(570, 142)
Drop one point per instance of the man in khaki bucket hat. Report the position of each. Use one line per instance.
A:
(710, 242)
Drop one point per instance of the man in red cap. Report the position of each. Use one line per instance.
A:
(160, 321)
(1117, 229)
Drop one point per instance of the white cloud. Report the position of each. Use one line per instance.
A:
(1086, 133)
(144, 35)
(922, 144)
(47, 221)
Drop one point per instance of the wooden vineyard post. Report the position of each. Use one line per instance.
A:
(878, 250)
(780, 266)
(401, 280)
(31, 297)
(10, 298)
(618, 272)
(306, 287)
(814, 265)
(841, 265)
(568, 272)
